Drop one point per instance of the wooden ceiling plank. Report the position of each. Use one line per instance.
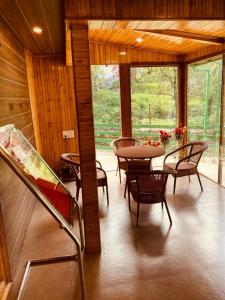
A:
(34, 17)
(53, 11)
(121, 24)
(108, 24)
(137, 48)
(187, 35)
(23, 15)
(46, 22)
(7, 39)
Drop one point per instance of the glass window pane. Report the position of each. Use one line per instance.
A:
(204, 97)
(153, 99)
(106, 104)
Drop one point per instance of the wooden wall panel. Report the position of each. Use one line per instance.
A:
(145, 9)
(106, 54)
(5, 271)
(125, 100)
(56, 111)
(204, 53)
(15, 200)
(17, 205)
(83, 94)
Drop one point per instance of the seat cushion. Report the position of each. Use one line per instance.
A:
(100, 174)
(184, 168)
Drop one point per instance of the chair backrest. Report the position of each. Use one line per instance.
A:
(72, 160)
(138, 165)
(125, 142)
(147, 186)
(198, 148)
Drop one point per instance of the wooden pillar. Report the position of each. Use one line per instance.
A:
(83, 95)
(182, 96)
(125, 100)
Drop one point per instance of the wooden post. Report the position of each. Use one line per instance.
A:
(83, 95)
(125, 100)
(182, 96)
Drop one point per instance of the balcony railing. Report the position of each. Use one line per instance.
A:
(105, 133)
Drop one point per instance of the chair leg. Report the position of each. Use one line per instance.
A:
(77, 193)
(162, 204)
(125, 191)
(103, 189)
(168, 212)
(107, 193)
(117, 170)
(189, 178)
(120, 174)
(138, 209)
(128, 191)
(174, 185)
(199, 181)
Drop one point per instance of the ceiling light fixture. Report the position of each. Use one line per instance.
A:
(139, 40)
(122, 53)
(37, 30)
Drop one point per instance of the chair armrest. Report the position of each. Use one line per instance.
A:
(100, 169)
(187, 158)
(112, 144)
(98, 162)
(176, 150)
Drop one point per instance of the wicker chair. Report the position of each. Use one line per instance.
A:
(73, 160)
(147, 187)
(137, 165)
(188, 164)
(119, 143)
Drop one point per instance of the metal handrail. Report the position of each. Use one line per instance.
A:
(58, 217)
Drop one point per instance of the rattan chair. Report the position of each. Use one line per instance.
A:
(119, 143)
(137, 165)
(73, 160)
(188, 164)
(147, 187)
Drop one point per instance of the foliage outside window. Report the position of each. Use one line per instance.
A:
(154, 98)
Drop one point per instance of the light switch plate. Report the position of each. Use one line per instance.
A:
(68, 134)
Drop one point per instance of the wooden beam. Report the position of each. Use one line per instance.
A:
(125, 100)
(83, 95)
(145, 9)
(33, 100)
(186, 35)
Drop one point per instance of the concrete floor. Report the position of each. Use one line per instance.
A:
(152, 262)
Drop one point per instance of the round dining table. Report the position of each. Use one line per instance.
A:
(140, 152)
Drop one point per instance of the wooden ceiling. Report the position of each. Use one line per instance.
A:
(177, 37)
(23, 15)
(172, 36)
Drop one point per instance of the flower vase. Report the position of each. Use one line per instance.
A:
(164, 146)
(181, 153)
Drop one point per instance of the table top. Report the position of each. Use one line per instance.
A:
(140, 152)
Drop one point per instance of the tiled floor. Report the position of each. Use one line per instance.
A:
(152, 262)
